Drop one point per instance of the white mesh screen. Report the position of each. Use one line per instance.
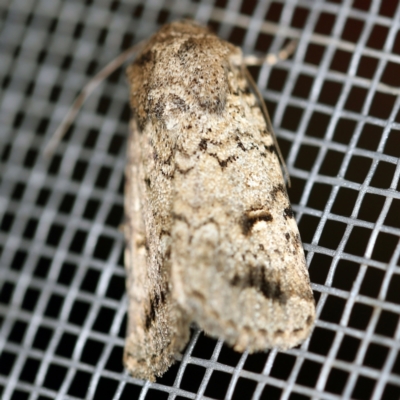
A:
(335, 108)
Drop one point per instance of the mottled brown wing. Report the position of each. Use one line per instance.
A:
(157, 329)
(238, 264)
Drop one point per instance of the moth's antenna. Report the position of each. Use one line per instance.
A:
(88, 89)
(268, 121)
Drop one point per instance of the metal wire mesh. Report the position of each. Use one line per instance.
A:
(335, 108)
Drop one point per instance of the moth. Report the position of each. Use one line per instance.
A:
(210, 234)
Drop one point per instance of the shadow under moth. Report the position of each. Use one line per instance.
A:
(210, 234)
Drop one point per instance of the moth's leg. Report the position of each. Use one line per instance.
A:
(271, 58)
(157, 328)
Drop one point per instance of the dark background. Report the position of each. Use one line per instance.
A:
(335, 109)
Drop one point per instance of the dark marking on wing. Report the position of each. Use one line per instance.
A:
(159, 107)
(278, 188)
(145, 58)
(151, 315)
(141, 122)
(183, 171)
(256, 279)
(249, 219)
(155, 303)
(270, 148)
(168, 174)
(178, 102)
(185, 48)
(240, 144)
(297, 240)
(272, 290)
(180, 217)
(211, 106)
(287, 236)
(203, 144)
(288, 212)
(224, 163)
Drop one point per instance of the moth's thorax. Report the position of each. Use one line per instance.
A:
(184, 71)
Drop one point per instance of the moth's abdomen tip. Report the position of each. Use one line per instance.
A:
(254, 341)
(275, 325)
(148, 357)
(138, 370)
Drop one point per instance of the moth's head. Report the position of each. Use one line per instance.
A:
(182, 27)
